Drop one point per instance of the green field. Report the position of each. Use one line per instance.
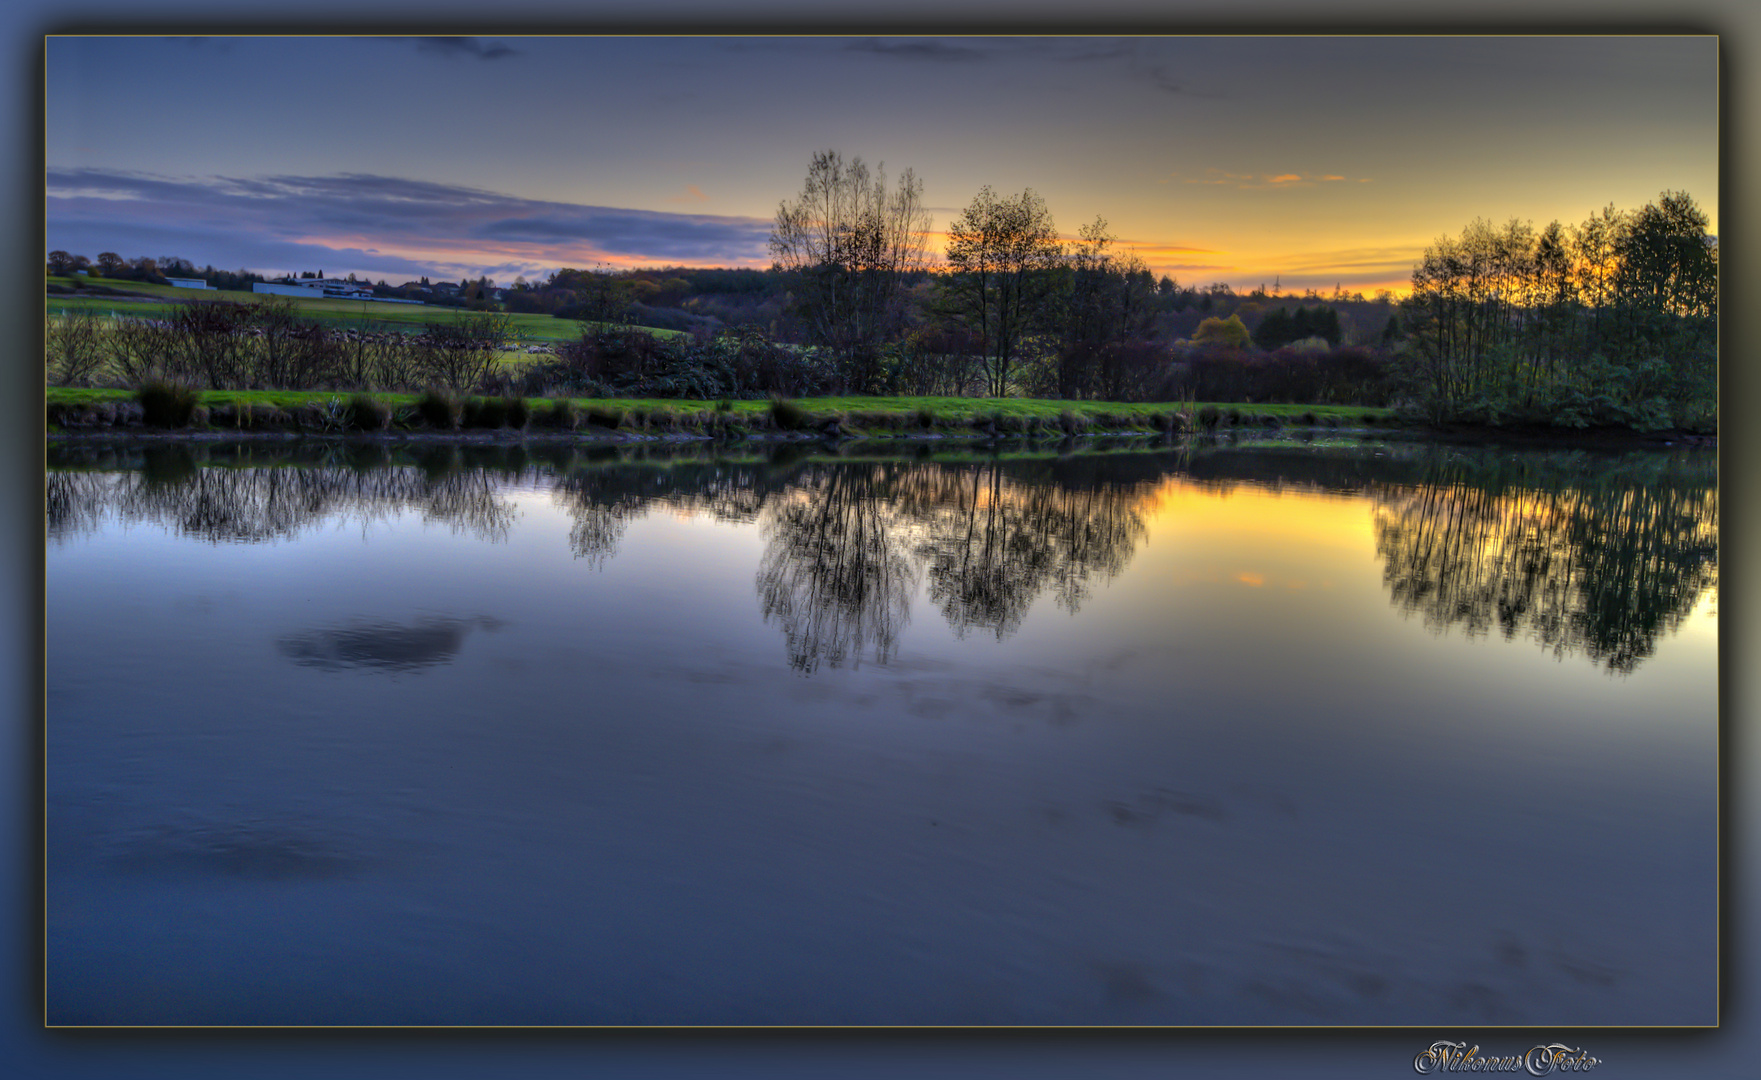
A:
(365, 314)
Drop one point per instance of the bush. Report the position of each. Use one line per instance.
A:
(517, 411)
(166, 404)
(1209, 416)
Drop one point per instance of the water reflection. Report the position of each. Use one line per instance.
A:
(995, 543)
(234, 499)
(383, 646)
(1601, 564)
(835, 574)
(1592, 556)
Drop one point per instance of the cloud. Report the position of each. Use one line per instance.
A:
(392, 225)
(917, 50)
(692, 194)
(465, 46)
(1265, 181)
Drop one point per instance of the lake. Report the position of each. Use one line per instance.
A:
(1335, 731)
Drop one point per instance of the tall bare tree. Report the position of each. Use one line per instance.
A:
(852, 241)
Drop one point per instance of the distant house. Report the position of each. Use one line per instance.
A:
(334, 288)
(188, 282)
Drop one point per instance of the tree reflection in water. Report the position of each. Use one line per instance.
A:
(247, 503)
(847, 551)
(1600, 565)
(994, 543)
(835, 574)
(1593, 556)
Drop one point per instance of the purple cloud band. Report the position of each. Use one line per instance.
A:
(284, 220)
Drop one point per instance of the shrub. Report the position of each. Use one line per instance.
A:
(166, 404)
(518, 412)
(1209, 416)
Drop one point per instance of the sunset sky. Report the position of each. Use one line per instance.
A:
(1311, 162)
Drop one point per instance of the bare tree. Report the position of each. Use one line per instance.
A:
(460, 355)
(74, 342)
(851, 242)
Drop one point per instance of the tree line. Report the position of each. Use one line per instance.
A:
(1612, 321)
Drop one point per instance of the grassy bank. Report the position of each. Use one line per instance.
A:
(75, 408)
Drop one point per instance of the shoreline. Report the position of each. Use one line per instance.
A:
(1593, 439)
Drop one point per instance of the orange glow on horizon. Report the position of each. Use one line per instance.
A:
(1319, 271)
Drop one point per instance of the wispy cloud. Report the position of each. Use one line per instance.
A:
(394, 222)
(1266, 181)
(693, 194)
(1397, 260)
(924, 49)
(465, 46)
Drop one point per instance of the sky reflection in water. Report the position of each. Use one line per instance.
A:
(1379, 734)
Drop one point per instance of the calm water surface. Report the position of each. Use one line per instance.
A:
(1289, 734)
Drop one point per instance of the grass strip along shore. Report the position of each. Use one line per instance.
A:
(72, 410)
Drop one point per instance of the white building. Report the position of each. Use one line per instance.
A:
(334, 288)
(189, 283)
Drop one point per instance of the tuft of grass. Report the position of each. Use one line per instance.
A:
(787, 415)
(166, 404)
(1306, 419)
(605, 416)
(486, 413)
(440, 409)
(1209, 416)
(926, 418)
(368, 413)
(517, 411)
(562, 414)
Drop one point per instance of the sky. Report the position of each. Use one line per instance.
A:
(1287, 162)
